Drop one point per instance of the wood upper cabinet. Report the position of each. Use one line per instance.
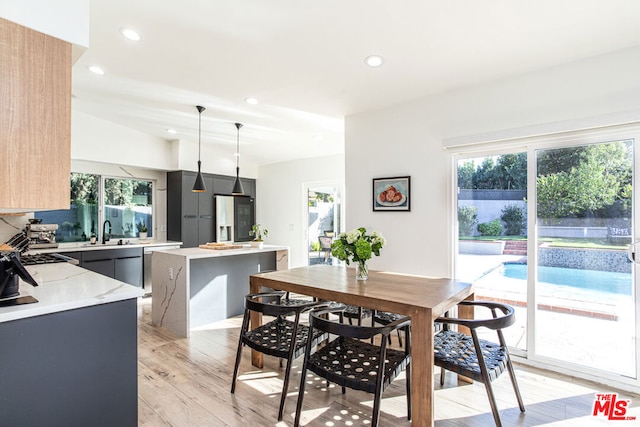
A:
(35, 119)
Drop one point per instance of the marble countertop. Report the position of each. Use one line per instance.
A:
(63, 286)
(197, 253)
(112, 244)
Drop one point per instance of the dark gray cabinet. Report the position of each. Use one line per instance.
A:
(101, 266)
(191, 216)
(121, 264)
(128, 270)
(71, 368)
(75, 254)
(224, 185)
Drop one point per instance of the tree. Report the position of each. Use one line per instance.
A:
(600, 174)
(84, 188)
(465, 174)
(484, 177)
(506, 172)
(512, 170)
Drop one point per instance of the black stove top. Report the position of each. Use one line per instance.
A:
(36, 259)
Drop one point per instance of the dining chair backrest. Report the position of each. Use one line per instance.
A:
(318, 319)
(503, 316)
(274, 304)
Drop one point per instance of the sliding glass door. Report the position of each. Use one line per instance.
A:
(584, 290)
(546, 229)
(492, 232)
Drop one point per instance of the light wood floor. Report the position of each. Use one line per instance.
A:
(186, 382)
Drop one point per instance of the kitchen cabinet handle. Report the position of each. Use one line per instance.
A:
(191, 216)
(206, 216)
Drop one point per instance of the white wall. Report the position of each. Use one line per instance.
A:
(97, 140)
(67, 20)
(281, 201)
(214, 159)
(94, 139)
(408, 140)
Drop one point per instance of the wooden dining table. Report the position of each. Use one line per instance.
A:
(420, 297)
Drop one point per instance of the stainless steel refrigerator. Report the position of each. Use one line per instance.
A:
(235, 215)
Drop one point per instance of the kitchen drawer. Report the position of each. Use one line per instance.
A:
(75, 254)
(128, 270)
(100, 254)
(100, 266)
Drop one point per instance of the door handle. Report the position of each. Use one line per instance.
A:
(631, 252)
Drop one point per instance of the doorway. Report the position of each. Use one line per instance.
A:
(324, 221)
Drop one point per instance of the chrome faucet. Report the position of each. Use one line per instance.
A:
(105, 239)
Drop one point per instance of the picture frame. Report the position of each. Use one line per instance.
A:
(392, 194)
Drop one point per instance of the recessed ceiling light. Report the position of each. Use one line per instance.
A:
(130, 34)
(374, 60)
(171, 131)
(96, 70)
(251, 100)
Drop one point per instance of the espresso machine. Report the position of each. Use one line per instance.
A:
(41, 235)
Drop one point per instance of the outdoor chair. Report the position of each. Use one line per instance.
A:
(475, 358)
(325, 247)
(351, 361)
(280, 337)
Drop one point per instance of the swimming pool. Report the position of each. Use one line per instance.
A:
(603, 281)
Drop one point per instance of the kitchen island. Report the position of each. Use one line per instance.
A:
(193, 287)
(71, 358)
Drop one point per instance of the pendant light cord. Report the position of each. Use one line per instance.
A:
(238, 126)
(199, 133)
(237, 185)
(199, 185)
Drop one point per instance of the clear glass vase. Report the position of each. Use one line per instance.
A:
(362, 271)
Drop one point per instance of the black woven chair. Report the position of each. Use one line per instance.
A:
(287, 300)
(281, 337)
(353, 312)
(476, 358)
(350, 362)
(385, 318)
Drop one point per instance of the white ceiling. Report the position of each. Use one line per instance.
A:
(304, 61)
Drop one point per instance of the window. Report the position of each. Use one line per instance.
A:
(78, 222)
(128, 206)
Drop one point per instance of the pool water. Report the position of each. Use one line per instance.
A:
(603, 281)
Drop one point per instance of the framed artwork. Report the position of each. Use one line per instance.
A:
(392, 194)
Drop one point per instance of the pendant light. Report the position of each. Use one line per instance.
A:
(237, 186)
(198, 185)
